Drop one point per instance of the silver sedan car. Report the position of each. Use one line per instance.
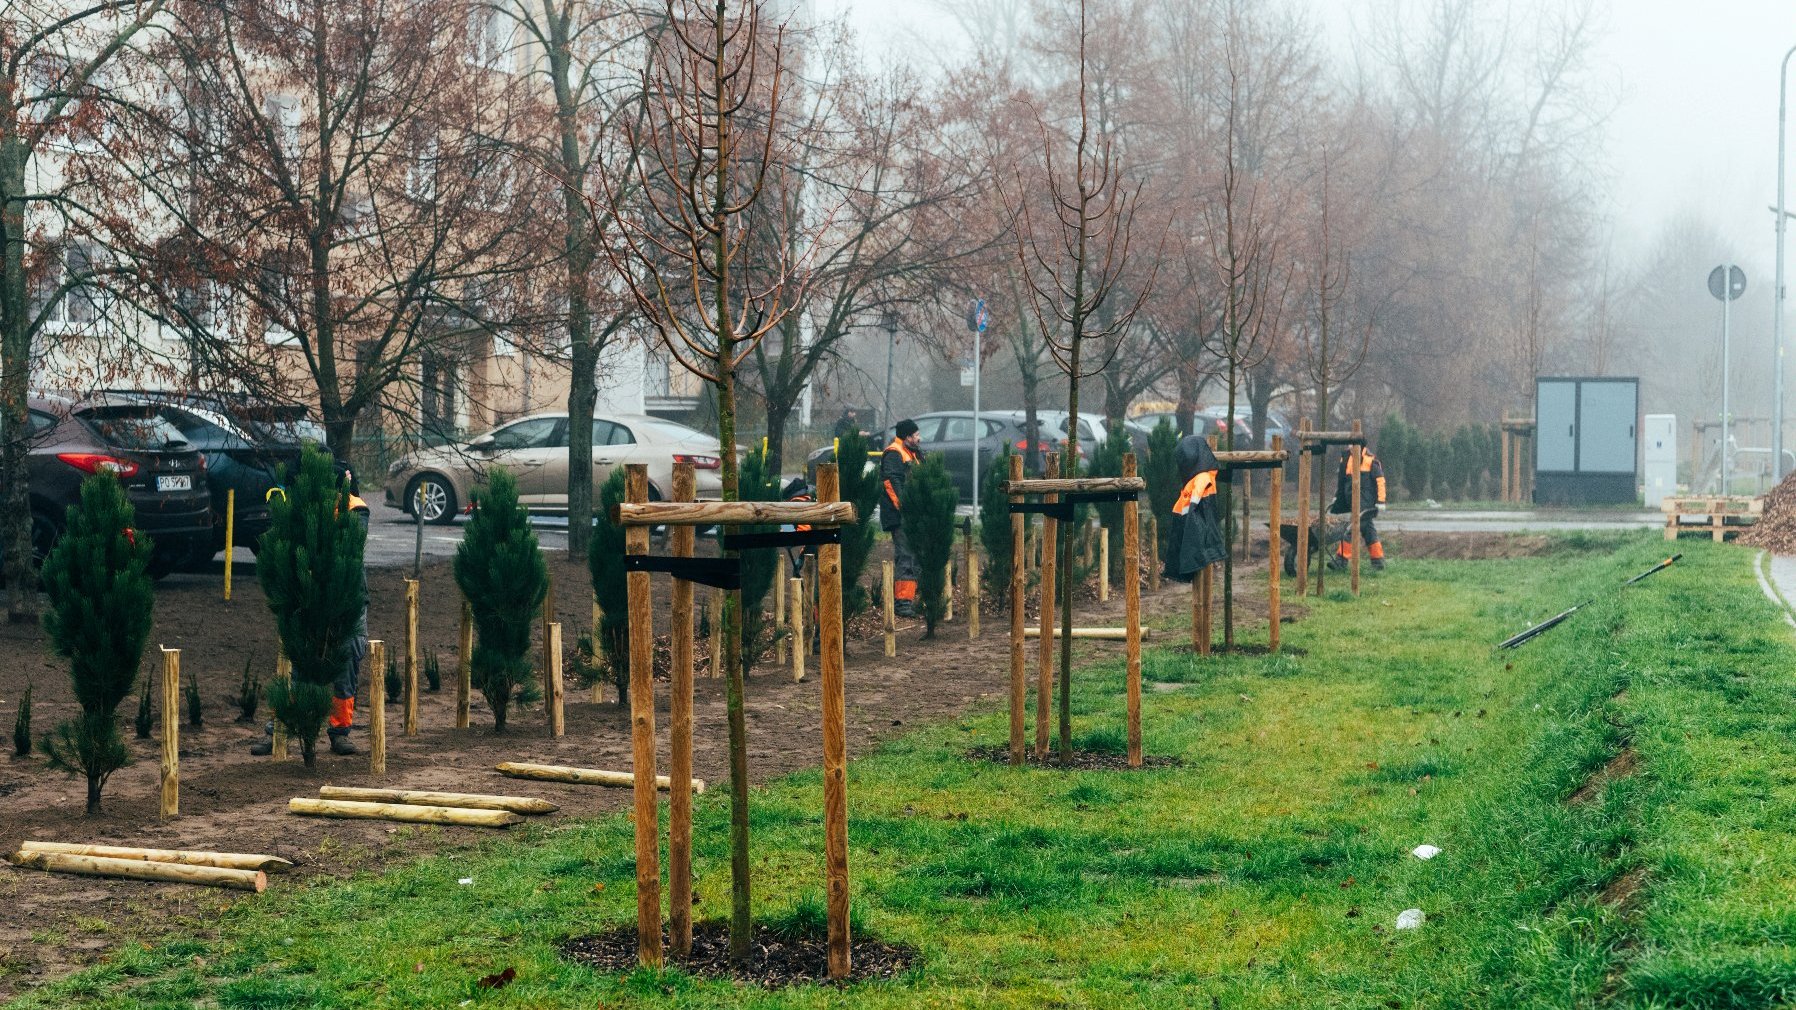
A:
(440, 482)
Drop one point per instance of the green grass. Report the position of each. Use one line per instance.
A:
(1267, 871)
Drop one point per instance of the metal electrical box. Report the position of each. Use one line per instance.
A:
(1659, 457)
(1586, 448)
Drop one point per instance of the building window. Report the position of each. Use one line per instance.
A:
(486, 34)
(283, 119)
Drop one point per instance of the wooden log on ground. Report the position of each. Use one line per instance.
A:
(1094, 634)
(642, 729)
(186, 857)
(1056, 485)
(1019, 553)
(464, 665)
(582, 776)
(139, 869)
(170, 807)
(410, 813)
(1131, 619)
(891, 609)
(411, 657)
(679, 730)
(377, 708)
(429, 798)
(734, 513)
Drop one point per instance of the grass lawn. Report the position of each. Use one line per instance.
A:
(1268, 871)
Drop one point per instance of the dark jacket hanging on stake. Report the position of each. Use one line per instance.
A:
(1196, 541)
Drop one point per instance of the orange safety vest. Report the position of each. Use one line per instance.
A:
(910, 459)
(1369, 463)
(1196, 489)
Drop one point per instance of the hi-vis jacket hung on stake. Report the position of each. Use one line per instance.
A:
(1559, 618)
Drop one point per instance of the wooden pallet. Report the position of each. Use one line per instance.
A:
(1717, 515)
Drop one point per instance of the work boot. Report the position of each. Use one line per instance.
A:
(265, 746)
(1336, 563)
(1378, 564)
(905, 608)
(341, 746)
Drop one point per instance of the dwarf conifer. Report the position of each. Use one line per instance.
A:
(502, 575)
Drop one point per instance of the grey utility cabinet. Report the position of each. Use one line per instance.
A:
(1586, 445)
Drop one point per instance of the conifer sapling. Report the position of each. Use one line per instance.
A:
(502, 575)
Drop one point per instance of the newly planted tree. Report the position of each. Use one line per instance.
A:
(500, 570)
(99, 620)
(605, 560)
(995, 533)
(860, 485)
(760, 568)
(1162, 475)
(310, 566)
(928, 511)
(21, 725)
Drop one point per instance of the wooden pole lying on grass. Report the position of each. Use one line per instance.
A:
(411, 657)
(171, 734)
(891, 608)
(464, 665)
(185, 857)
(1274, 500)
(642, 729)
(1019, 553)
(583, 776)
(139, 869)
(1358, 455)
(795, 587)
(407, 812)
(283, 673)
(835, 735)
(1044, 671)
(377, 708)
(1131, 612)
(555, 693)
(679, 729)
(427, 798)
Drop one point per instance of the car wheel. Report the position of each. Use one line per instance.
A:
(434, 497)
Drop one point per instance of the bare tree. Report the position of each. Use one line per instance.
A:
(55, 100)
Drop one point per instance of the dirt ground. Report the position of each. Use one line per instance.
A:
(51, 924)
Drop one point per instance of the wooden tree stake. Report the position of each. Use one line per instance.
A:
(1358, 455)
(835, 734)
(548, 618)
(283, 672)
(1019, 554)
(811, 579)
(1274, 563)
(1044, 674)
(782, 626)
(598, 620)
(555, 696)
(1131, 611)
(642, 731)
(464, 666)
(1153, 545)
(1203, 593)
(1304, 462)
(1104, 565)
(679, 728)
(948, 584)
(230, 546)
(716, 618)
(891, 611)
(795, 587)
(171, 734)
(377, 708)
(973, 591)
(411, 657)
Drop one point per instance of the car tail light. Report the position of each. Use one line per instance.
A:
(203, 463)
(699, 462)
(94, 462)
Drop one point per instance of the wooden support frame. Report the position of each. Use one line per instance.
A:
(679, 730)
(636, 515)
(1355, 477)
(1517, 438)
(1051, 487)
(1304, 465)
(1274, 545)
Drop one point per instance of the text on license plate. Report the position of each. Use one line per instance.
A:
(177, 482)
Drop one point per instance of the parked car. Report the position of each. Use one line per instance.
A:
(164, 476)
(440, 481)
(950, 433)
(1093, 430)
(241, 455)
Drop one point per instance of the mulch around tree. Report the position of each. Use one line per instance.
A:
(1082, 760)
(774, 962)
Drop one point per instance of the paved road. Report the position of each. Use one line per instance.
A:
(1521, 521)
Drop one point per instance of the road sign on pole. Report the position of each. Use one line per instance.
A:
(1726, 283)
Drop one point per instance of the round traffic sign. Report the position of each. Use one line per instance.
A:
(1733, 277)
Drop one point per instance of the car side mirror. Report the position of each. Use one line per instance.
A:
(482, 444)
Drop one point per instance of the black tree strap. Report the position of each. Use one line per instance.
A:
(721, 573)
(1258, 464)
(1063, 510)
(783, 538)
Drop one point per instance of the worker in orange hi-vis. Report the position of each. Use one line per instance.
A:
(1196, 540)
(1371, 496)
(894, 467)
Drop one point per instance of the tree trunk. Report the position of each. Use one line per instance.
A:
(583, 390)
(93, 795)
(15, 384)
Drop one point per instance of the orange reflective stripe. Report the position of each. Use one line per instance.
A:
(902, 450)
(1196, 489)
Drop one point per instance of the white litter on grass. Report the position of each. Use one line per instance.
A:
(465, 881)
(1425, 851)
(1410, 918)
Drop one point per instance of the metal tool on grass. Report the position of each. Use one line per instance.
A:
(1559, 618)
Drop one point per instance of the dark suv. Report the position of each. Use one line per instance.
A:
(950, 433)
(163, 476)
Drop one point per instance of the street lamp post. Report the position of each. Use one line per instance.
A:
(890, 321)
(1777, 319)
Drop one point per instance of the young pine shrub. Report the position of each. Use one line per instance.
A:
(928, 503)
(101, 604)
(860, 485)
(758, 482)
(146, 716)
(501, 573)
(21, 726)
(610, 588)
(249, 692)
(433, 674)
(196, 706)
(392, 681)
(1107, 461)
(1161, 470)
(994, 524)
(310, 566)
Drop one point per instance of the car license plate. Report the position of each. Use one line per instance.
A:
(176, 482)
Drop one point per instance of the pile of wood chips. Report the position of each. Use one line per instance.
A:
(1776, 529)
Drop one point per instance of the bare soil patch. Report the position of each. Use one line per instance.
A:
(1082, 760)
(50, 924)
(1623, 764)
(1466, 546)
(774, 962)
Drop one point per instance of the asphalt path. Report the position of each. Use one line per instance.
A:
(1515, 521)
